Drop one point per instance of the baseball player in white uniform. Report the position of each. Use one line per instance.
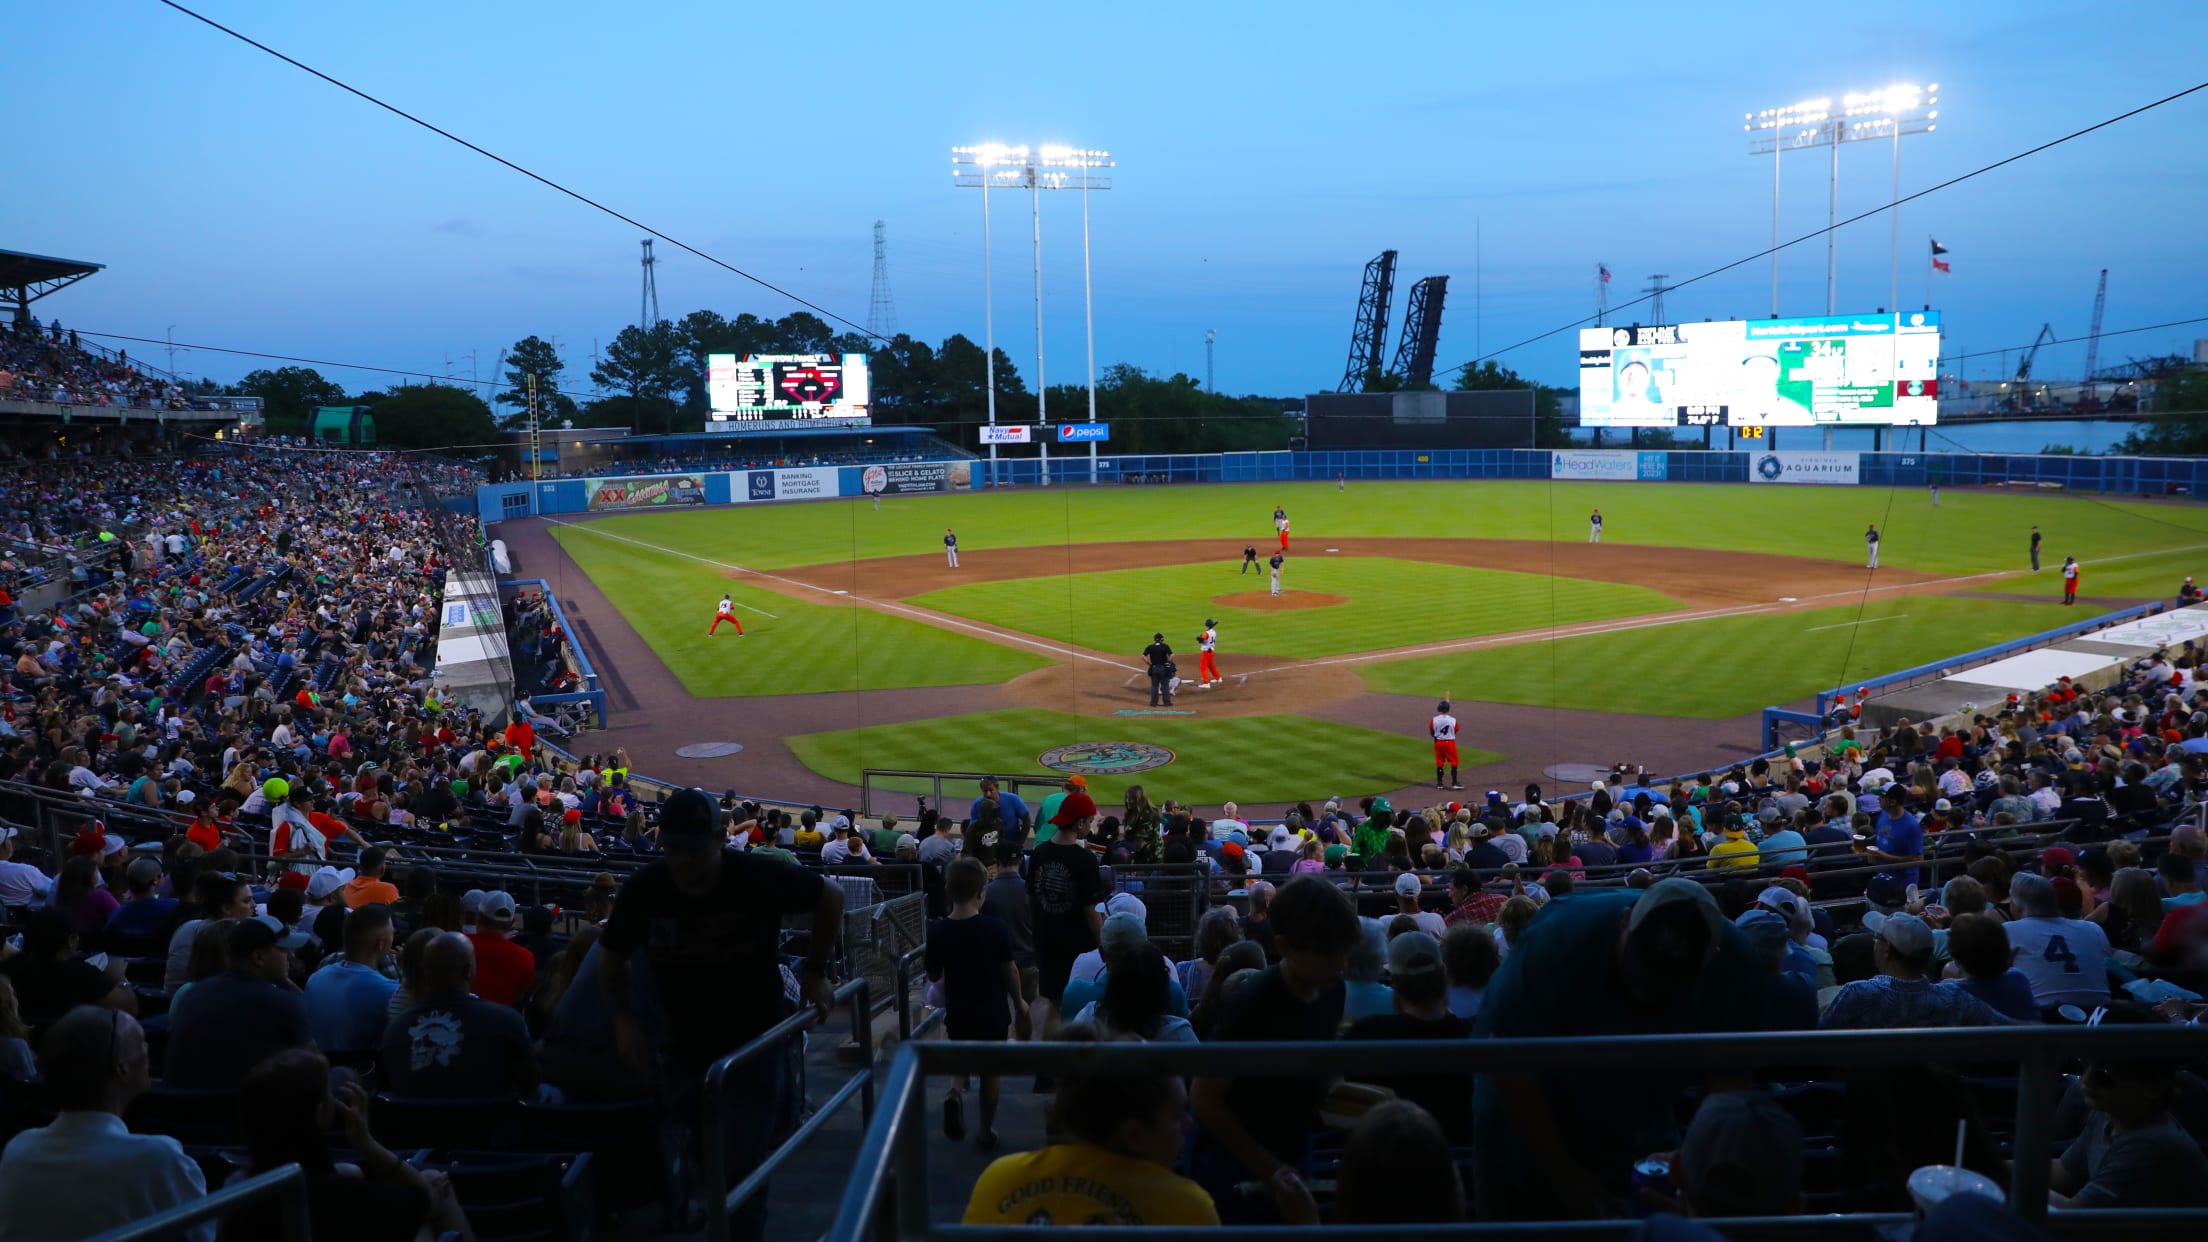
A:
(1207, 658)
(1444, 729)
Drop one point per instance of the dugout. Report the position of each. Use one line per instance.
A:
(1486, 419)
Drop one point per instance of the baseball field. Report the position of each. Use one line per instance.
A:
(1701, 605)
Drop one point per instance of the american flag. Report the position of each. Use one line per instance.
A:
(1604, 270)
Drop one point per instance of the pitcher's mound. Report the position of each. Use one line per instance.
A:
(1268, 601)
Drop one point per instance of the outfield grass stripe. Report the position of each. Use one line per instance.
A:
(926, 616)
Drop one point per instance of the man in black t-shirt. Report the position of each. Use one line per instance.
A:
(453, 1046)
(1421, 991)
(1064, 886)
(710, 921)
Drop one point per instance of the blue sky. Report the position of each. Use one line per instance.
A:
(1266, 152)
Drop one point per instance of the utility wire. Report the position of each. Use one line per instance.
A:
(1814, 234)
(539, 178)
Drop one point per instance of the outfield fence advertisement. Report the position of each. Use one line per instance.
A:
(812, 483)
(1608, 465)
(1837, 468)
(645, 493)
(900, 478)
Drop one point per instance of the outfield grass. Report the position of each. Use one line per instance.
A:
(1391, 604)
(801, 648)
(1971, 532)
(1728, 666)
(1243, 758)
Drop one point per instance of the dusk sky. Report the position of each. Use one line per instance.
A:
(1266, 152)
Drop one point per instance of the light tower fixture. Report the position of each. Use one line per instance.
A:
(987, 167)
(1859, 116)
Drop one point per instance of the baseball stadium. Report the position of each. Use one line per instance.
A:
(1659, 646)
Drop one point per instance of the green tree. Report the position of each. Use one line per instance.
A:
(289, 396)
(431, 416)
(535, 355)
(2180, 428)
(643, 362)
(1549, 430)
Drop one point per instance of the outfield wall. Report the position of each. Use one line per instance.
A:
(2128, 476)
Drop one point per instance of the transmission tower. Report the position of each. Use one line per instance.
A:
(1655, 291)
(647, 312)
(881, 313)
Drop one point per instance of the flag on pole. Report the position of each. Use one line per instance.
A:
(1604, 270)
(1939, 264)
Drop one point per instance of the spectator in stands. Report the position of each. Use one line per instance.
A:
(232, 1022)
(289, 1110)
(1469, 903)
(349, 999)
(454, 1046)
(2066, 959)
(1139, 999)
(137, 925)
(77, 893)
(1408, 891)
(1064, 887)
(1126, 1137)
(368, 887)
(1898, 845)
(1397, 1169)
(2133, 912)
(970, 953)
(21, 884)
(1662, 961)
(1471, 955)
(1733, 850)
(1900, 995)
(1979, 945)
(2180, 881)
(1257, 925)
(709, 920)
(1741, 1156)
(51, 979)
(503, 969)
(1420, 993)
(1219, 927)
(17, 1063)
(85, 1173)
(2132, 1153)
(1005, 899)
(1256, 1128)
(1790, 999)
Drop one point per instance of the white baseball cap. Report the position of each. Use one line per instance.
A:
(1124, 903)
(1407, 885)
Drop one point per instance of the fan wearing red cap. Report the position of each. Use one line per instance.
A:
(1064, 885)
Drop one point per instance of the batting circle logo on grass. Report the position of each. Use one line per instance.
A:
(1105, 758)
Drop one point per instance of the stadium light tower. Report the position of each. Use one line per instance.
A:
(987, 167)
(1856, 117)
(1085, 163)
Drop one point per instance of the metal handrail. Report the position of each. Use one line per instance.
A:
(895, 1141)
(288, 1182)
(714, 1174)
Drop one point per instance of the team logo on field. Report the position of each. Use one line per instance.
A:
(1105, 758)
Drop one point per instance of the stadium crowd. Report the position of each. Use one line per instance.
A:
(678, 463)
(51, 364)
(263, 939)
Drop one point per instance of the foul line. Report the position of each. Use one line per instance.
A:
(1845, 624)
(921, 615)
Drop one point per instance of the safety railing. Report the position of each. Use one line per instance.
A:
(1828, 700)
(909, 972)
(721, 1202)
(286, 1185)
(876, 785)
(891, 1170)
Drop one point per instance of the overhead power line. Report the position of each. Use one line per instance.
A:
(1815, 234)
(537, 177)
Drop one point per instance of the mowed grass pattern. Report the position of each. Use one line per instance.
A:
(1392, 603)
(1242, 758)
(1973, 531)
(801, 649)
(1728, 666)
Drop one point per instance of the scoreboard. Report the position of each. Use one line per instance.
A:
(1837, 370)
(788, 391)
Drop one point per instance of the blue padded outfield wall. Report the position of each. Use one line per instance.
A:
(2115, 476)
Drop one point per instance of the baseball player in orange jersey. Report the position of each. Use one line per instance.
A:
(726, 611)
(1443, 727)
(1207, 659)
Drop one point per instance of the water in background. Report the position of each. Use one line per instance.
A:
(2084, 435)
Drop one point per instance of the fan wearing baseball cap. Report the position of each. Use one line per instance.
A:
(1900, 995)
(1659, 961)
(710, 922)
(1064, 885)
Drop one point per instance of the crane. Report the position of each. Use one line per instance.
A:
(2020, 397)
(2093, 337)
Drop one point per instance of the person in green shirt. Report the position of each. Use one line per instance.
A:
(1044, 829)
(1370, 838)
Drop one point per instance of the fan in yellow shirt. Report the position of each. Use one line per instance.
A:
(1736, 850)
(1127, 1133)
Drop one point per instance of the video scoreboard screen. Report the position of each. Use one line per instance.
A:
(1841, 370)
(787, 390)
